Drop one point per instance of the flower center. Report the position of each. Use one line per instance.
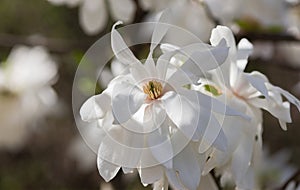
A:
(153, 89)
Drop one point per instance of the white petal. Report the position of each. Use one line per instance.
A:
(201, 61)
(127, 99)
(180, 78)
(222, 32)
(127, 170)
(122, 10)
(218, 106)
(257, 82)
(211, 134)
(160, 29)
(161, 147)
(159, 32)
(288, 96)
(107, 170)
(242, 157)
(183, 113)
(92, 16)
(120, 49)
(280, 111)
(154, 117)
(150, 175)
(218, 34)
(165, 47)
(174, 179)
(245, 48)
(95, 107)
(117, 68)
(163, 64)
(207, 183)
(248, 181)
(187, 170)
(162, 184)
(122, 147)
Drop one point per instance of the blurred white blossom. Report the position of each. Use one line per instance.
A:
(93, 14)
(25, 92)
(294, 21)
(289, 51)
(187, 14)
(264, 14)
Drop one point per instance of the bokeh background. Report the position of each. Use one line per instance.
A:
(46, 159)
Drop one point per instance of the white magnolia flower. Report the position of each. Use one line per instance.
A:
(187, 14)
(152, 120)
(25, 92)
(248, 93)
(265, 13)
(93, 14)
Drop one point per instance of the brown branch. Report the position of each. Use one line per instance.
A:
(254, 36)
(277, 63)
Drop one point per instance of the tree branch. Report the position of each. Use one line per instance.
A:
(53, 44)
(254, 36)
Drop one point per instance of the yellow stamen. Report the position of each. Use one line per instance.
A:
(153, 89)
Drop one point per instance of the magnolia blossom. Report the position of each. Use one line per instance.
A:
(187, 14)
(249, 93)
(152, 120)
(25, 92)
(255, 13)
(93, 14)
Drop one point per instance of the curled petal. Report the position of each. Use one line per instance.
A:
(95, 107)
(245, 48)
(120, 49)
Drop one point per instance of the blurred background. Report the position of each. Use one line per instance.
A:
(42, 43)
